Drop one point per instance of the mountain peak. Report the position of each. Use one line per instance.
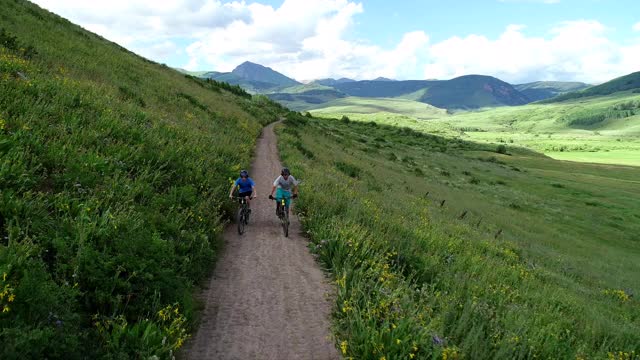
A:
(256, 72)
(380, 78)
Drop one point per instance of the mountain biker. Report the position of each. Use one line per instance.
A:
(284, 184)
(246, 186)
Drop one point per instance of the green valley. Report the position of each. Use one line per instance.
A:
(593, 129)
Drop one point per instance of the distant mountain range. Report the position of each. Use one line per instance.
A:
(464, 92)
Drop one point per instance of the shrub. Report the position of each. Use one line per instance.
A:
(501, 149)
(345, 119)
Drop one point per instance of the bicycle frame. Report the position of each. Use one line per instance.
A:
(242, 217)
(283, 214)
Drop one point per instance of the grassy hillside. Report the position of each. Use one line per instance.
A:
(601, 129)
(378, 89)
(623, 83)
(444, 249)
(112, 174)
(300, 101)
(472, 92)
(373, 109)
(541, 90)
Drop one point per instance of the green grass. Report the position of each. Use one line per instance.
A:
(442, 248)
(113, 171)
(378, 107)
(296, 89)
(624, 157)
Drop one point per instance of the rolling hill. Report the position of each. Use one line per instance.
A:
(332, 82)
(379, 89)
(378, 107)
(541, 90)
(473, 92)
(623, 83)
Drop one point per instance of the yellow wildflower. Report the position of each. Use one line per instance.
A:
(5, 309)
(343, 347)
(12, 297)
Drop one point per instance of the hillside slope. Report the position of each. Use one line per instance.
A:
(448, 249)
(112, 171)
(623, 83)
(472, 92)
(541, 90)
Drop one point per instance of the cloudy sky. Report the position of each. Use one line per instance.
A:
(515, 40)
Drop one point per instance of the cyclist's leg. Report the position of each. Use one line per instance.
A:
(287, 200)
(247, 198)
(280, 194)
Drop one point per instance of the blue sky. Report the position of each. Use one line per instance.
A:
(515, 40)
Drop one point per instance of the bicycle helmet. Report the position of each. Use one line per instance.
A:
(285, 171)
(244, 173)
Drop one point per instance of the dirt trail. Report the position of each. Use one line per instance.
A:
(267, 298)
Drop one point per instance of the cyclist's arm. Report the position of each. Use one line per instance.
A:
(275, 183)
(253, 192)
(233, 188)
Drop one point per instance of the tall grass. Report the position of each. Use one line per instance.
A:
(112, 172)
(417, 279)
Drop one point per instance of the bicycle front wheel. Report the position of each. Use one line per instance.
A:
(240, 220)
(285, 223)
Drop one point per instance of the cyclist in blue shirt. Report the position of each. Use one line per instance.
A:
(246, 186)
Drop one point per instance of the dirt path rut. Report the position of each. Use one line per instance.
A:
(267, 298)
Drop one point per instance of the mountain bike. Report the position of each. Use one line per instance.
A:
(282, 210)
(242, 218)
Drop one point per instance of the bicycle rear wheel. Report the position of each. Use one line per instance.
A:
(240, 220)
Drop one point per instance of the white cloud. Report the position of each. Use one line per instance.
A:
(636, 27)
(574, 50)
(308, 39)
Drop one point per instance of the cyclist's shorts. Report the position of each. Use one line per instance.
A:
(243, 194)
(283, 194)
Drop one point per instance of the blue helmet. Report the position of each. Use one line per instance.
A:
(244, 173)
(285, 171)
